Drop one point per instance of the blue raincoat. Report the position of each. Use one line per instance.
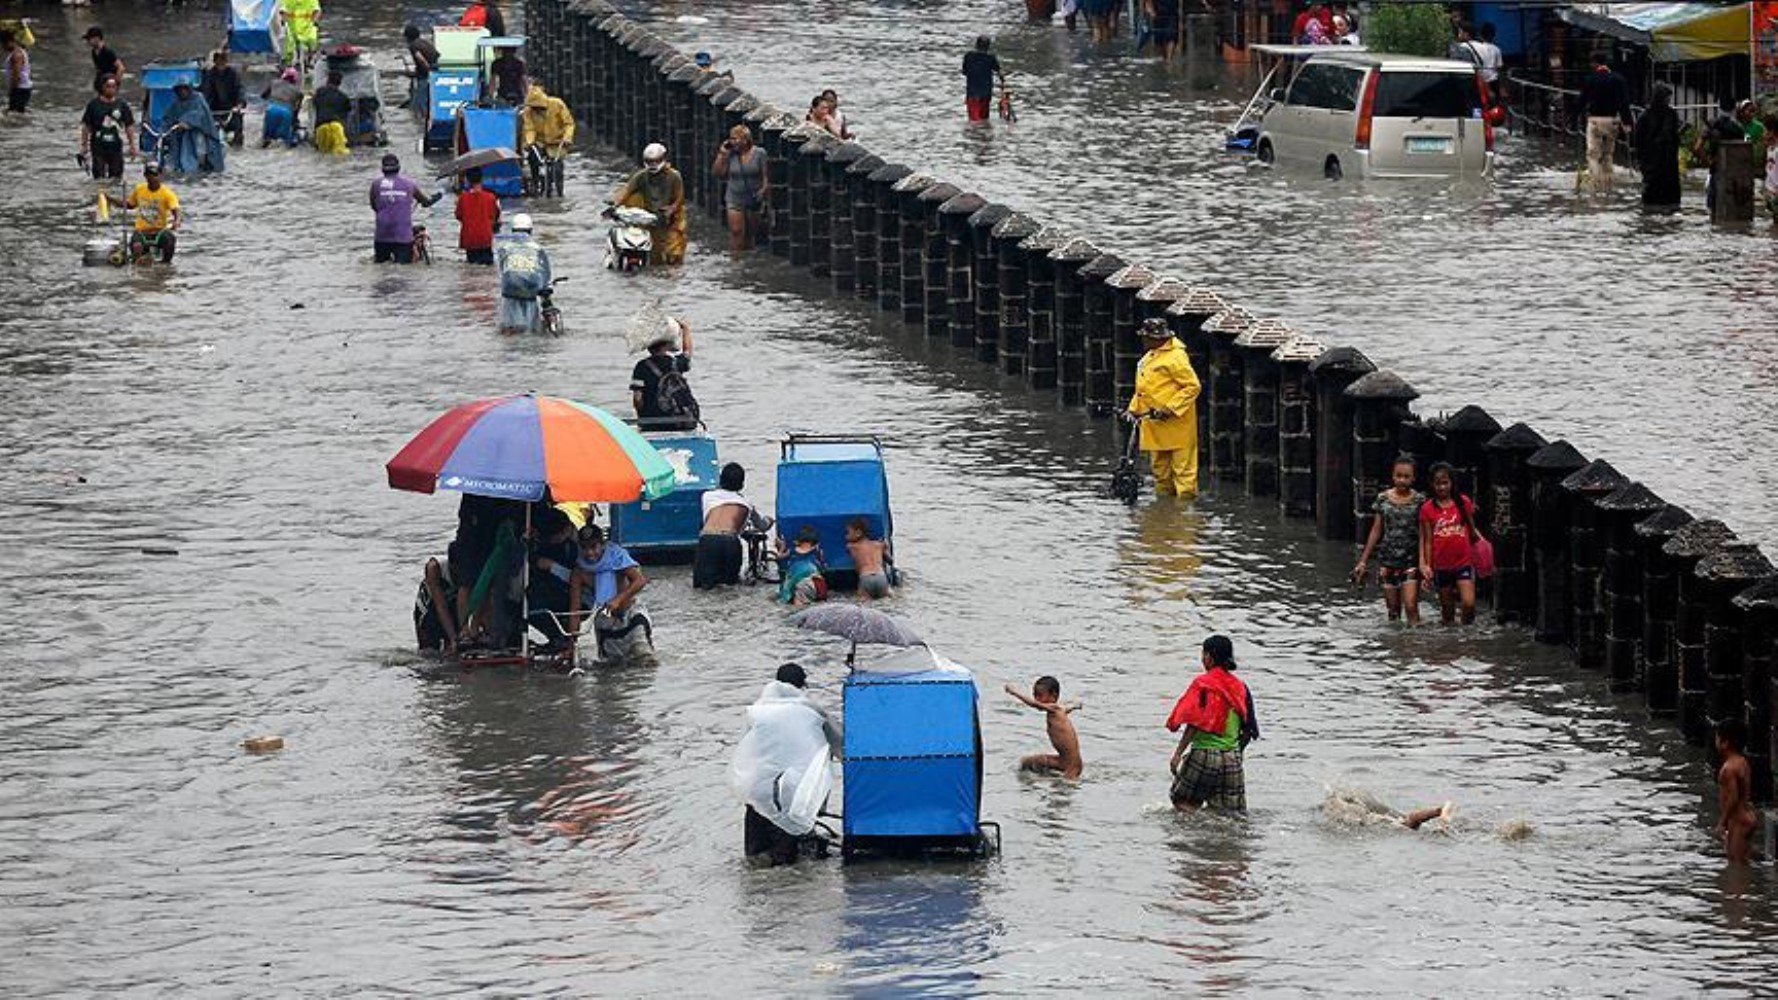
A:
(197, 146)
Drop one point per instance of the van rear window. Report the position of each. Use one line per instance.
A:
(1426, 95)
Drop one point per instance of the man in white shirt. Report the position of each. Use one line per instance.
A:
(726, 514)
(1489, 57)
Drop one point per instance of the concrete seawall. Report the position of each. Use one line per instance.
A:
(1671, 607)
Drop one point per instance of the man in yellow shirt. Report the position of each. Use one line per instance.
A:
(1167, 400)
(548, 131)
(157, 216)
(302, 32)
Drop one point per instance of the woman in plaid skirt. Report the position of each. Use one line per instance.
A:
(1217, 715)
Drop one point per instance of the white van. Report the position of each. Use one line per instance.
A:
(1373, 114)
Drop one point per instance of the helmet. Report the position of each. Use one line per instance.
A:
(521, 223)
(1155, 328)
(654, 156)
(391, 163)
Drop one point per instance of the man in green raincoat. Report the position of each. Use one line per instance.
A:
(1167, 401)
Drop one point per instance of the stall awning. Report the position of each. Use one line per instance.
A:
(1672, 32)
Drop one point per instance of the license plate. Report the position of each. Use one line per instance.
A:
(1428, 144)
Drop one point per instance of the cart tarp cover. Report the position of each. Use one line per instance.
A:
(1672, 32)
(781, 766)
(486, 128)
(250, 25)
(912, 767)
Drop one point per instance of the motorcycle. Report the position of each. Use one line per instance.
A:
(628, 243)
(549, 317)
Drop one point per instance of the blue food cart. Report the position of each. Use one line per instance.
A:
(158, 81)
(251, 27)
(913, 760)
(666, 530)
(826, 480)
(455, 82)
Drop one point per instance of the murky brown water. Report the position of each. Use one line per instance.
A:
(521, 836)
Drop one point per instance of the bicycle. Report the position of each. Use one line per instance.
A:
(545, 175)
(422, 244)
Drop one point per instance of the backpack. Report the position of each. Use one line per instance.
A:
(672, 394)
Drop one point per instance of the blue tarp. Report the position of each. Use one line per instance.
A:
(250, 26)
(487, 128)
(672, 522)
(826, 485)
(912, 767)
(448, 90)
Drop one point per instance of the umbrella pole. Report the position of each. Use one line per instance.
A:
(525, 593)
(852, 657)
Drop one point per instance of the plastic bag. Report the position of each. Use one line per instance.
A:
(648, 326)
(781, 766)
(1482, 554)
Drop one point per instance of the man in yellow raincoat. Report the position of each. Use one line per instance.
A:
(302, 29)
(658, 188)
(1167, 397)
(547, 123)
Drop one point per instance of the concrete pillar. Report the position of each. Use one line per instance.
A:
(1425, 443)
(682, 126)
(706, 122)
(1128, 309)
(1071, 321)
(1297, 425)
(1015, 319)
(1550, 465)
(935, 258)
(844, 240)
(605, 84)
(1689, 547)
(780, 139)
(1509, 522)
(1188, 316)
(953, 218)
(1098, 330)
(1657, 674)
(1736, 165)
(911, 222)
(1379, 405)
(1040, 284)
(1336, 369)
(882, 184)
(1227, 389)
(1259, 386)
(1467, 433)
(811, 171)
(1619, 512)
(1586, 559)
(1726, 573)
(862, 195)
(1203, 62)
(1759, 650)
(652, 104)
(985, 261)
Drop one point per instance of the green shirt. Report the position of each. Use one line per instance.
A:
(1756, 131)
(1228, 739)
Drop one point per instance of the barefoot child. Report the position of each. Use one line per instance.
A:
(1395, 540)
(1447, 540)
(1046, 695)
(869, 555)
(802, 569)
(1734, 783)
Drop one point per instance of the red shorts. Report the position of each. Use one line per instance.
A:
(978, 108)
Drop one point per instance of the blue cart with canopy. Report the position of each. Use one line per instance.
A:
(252, 27)
(827, 480)
(455, 82)
(913, 760)
(158, 81)
(666, 530)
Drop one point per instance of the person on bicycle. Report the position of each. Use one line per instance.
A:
(107, 129)
(524, 276)
(547, 128)
(222, 90)
(659, 189)
(157, 215)
(392, 198)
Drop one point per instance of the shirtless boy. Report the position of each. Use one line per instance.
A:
(1734, 784)
(1046, 695)
(869, 555)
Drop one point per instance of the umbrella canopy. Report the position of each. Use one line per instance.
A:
(862, 625)
(476, 158)
(527, 447)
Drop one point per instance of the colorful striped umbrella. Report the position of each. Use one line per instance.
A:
(522, 447)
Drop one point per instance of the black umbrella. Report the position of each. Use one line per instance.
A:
(857, 623)
(477, 158)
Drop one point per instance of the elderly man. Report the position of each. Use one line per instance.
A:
(1165, 403)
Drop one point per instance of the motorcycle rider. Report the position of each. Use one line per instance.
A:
(547, 126)
(524, 276)
(658, 188)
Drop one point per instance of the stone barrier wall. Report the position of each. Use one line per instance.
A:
(1674, 608)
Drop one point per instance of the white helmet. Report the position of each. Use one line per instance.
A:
(521, 223)
(654, 156)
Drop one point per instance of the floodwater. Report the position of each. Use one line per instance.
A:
(514, 835)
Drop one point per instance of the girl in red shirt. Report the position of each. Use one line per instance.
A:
(1447, 540)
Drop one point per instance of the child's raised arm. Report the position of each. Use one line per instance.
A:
(1020, 695)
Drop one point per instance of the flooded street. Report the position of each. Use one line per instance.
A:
(520, 835)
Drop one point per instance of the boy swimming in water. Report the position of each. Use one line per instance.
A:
(1046, 695)
(1734, 785)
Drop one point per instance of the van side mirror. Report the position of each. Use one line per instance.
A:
(1277, 95)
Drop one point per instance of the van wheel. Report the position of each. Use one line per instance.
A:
(1332, 170)
(1265, 153)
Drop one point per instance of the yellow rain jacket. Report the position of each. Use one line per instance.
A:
(546, 122)
(1165, 381)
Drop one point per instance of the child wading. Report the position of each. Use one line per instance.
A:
(1734, 786)
(1395, 540)
(1447, 546)
(1219, 721)
(870, 556)
(1046, 697)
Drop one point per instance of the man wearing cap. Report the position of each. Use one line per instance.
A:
(1216, 713)
(105, 62)
(658, 188)
(157, 215)
(1166, 406)
(392, 198)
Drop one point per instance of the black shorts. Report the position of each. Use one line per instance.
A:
(1394, 576)
(761, 836)
(482, 256)
(17, 98)
(1442, 578)
(106, 163)
(718, 561)
(400, 253)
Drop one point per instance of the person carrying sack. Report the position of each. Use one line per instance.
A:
(659, 392)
